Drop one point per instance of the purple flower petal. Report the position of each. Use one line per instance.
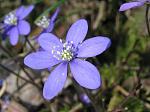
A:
(24, 27)
(77, 31)
(54, 16)
(52, 20)
(6, 31)
(24, 11)
(40, 60)
(14, 35)
(3, 26)
(93, 46)
(20, 10)
(55, 81)
(130, 5)
(85, 74)
(47, 41)
(50, 27)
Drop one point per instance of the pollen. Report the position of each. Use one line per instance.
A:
(67, 53)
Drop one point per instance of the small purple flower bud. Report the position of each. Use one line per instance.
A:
(1, 82)
(85, 99)
(5, 103)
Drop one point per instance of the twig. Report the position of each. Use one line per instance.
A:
(5, 50)
(122, 90)
(97, 108)
(76, 108)
(17, 75)
(30, 44)
(147, 19)
(2, 90)
(21, 66)
(132, 93)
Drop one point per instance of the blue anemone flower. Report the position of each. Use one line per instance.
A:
(15, 25)
(69, 54)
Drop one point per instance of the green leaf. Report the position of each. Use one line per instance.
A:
(114, 101)
(134, 105)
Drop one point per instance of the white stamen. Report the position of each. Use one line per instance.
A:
(67, 53)
(58, 52)
(43, 22)
(10, 19)
(60, 40)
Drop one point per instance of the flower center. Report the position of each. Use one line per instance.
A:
(67, 53)
(43, 22)
(10, 19)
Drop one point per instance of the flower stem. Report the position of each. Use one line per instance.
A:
(11, 71)
(21, 66)
(15, 60)
(147, 19)
(27, 40)
(97, 108)
(80, 89)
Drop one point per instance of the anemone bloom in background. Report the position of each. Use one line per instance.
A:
(70, 53)
(1, 82)
(133, 4)
(85, 99)
(46, 23)
(15, 25)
